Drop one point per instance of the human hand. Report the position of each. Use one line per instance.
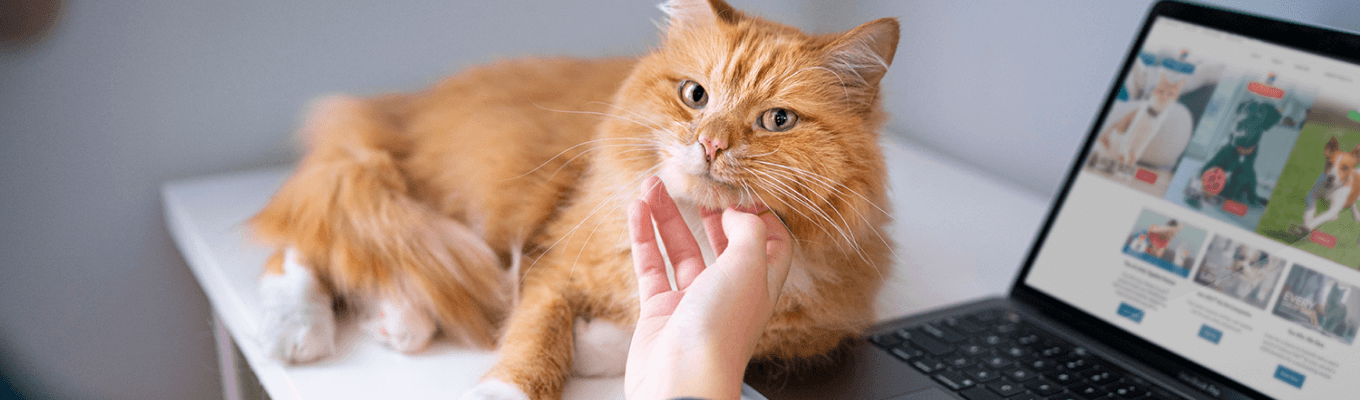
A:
(696, 341)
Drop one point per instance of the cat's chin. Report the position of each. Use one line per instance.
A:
(708, 193)
(702, 191)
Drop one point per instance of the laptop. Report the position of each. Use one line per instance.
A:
(1205, 243)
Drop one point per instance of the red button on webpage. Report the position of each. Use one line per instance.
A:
(1265, 90)
(1323, 239)
(1234, 207)
(1146, 176)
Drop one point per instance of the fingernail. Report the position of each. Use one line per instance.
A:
(752, 209)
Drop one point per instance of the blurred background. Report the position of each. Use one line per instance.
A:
(114, 98)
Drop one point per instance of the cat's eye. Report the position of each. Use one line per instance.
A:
(777, 120)
(693, 94)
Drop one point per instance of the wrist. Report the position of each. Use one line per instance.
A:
(711, 371)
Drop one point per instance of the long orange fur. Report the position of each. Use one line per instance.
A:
(530, 163)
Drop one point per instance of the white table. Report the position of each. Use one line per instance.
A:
(961, 235)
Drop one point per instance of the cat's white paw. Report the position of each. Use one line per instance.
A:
(601, 348)
(399, 325)
(494, 389)
(299, 323)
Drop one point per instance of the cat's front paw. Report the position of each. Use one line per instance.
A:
(299, 321)
(494, 389)
(400, 325)
(298, 337)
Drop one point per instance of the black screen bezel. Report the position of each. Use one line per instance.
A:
(1330, 43)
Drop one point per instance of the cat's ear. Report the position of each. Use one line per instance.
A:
(867, 50)
(691, 14)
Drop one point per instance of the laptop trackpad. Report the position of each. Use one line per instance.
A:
(928, 394)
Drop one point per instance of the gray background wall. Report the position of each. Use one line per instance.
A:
(95, 301)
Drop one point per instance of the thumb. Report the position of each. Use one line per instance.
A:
(745, 239)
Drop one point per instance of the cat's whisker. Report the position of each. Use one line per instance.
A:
(592, 212)
(795, 210)
(774, 187)
(619, 117)
(829, 181)
(640, 147)
(560, 153)
(635, 114)
(776, 150)
(632, 183)
(752, 193)
(843, 231)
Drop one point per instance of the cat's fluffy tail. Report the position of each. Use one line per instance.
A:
(347, 210)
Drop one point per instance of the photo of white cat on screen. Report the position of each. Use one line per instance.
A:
(1149, 124)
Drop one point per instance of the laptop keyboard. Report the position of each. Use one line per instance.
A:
(994, 354)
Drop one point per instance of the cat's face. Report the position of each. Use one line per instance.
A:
(744, 111)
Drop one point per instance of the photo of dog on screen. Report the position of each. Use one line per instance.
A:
(1314, 203)
(1234, 160)
(1239, 270)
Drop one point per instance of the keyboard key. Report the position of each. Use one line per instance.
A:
(973, 349)
(928, 365)
(1016, 351)
(1019, 374)
(997, 361)
(979, 393)
(942, 333)
(958, 361)
(1066, 396)
(931, 345)
(1039, 364)
(1127, 390)
(954, 380)
(1044, 387)
(886, 340)
(1028, 339)
(1075, 364)
(965, 325)
(906, 352)
(1102, 377)
(1089, 391)
(981, 374)
(1054, 350)
(1005, 387)
(1025, 396)
(990, 340)
(1065, 378)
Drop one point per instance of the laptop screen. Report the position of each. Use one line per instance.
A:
(1214, 213)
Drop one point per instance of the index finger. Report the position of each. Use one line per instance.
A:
(647, 262)
(681, 248)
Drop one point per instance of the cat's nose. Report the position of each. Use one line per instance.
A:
(712, 147)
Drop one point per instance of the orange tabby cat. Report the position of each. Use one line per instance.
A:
(491, 207)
